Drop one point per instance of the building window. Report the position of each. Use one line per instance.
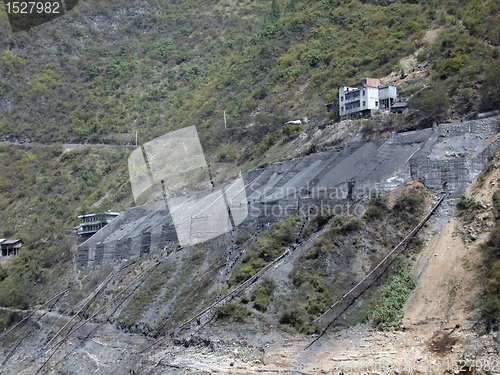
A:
(352, 95)
(363, 93)
(364, 104)
(352, 105)
(376, 104)
(341, 98)
(341, 109)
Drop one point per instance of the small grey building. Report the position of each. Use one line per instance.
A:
(399, 107)
(10, 247)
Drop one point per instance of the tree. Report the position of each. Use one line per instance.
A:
(432, 104)
(275, 11)
(290, 6)
(491, 90)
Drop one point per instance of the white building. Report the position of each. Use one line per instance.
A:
(364, 98)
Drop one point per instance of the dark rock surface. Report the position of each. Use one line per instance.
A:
(447, 157)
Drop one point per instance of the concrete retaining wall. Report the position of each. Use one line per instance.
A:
(449, 156)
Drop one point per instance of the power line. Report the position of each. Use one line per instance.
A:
(406, 239)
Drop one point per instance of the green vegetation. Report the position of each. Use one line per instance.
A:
(262, 295)
(491, 89)
(42, 191)
(317, 222)
(339, 227)
(318, 284)
(176, 64)
(149, 291)
(313, 283)
(267, 248)
(312, 278)
(465, 203)
(406, 210)
(376, 208)
(7, 319)
(491, 304)
(481, 19)
(432, 104)
(390, 311)
(233, 312)
(496, 205)
(292, 318)
(467, 208)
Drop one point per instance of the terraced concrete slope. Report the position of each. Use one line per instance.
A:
(447, 157)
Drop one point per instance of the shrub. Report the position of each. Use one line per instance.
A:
(317, 222)
(432, 104)
(390, 311)
(465, 203)
(298, 278)
(496, 204)
(3, 273)
(233, 312)
(267, 248)
(490, 89)
(323, 245)
(262, 294)
(409, 203)
(376, 208)
(290, 129)
(292, 318)
(352, 225)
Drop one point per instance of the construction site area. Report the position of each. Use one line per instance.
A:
(275, 294)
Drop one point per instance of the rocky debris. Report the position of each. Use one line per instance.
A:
(354, 171)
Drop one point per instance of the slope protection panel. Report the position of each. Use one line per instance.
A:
(296, 183)
(266, 183)
(348, 168)
(388, 161)
(176, 166)
(299, 166)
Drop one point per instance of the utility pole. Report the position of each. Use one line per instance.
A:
(136, 138)
(225, 125)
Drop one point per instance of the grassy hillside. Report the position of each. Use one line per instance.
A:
(42, 191)
(108, 69)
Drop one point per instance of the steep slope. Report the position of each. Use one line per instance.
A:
(231, 346)
(109, 69)
(42, 191)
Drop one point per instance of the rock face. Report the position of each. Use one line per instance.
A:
(133, 233)
(445, 158)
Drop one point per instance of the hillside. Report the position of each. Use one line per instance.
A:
(263, 330)
(152, 297)
(109, 69)
(75, 93)
(42, 191)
